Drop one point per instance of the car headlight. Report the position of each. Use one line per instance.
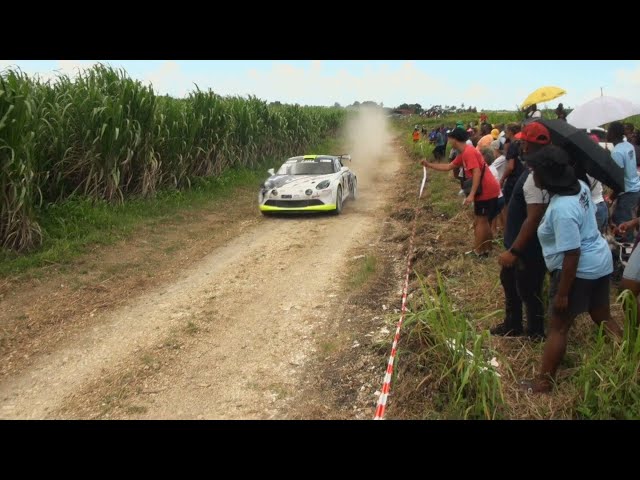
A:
(323, 184)
(274, 192)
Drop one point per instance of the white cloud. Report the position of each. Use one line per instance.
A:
(71, 68)
(313, 84)
(626, 83)
(66, 67)
(628, 77)
(169, 79)
(476, 93)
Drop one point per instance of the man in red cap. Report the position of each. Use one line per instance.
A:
(523, 267)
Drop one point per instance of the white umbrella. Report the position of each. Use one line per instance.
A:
(602, 110)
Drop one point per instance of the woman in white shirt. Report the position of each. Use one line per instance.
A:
(498, 219)
(602, 211)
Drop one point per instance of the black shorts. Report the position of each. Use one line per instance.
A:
(486, 208)
(499, 207)
(584, 295)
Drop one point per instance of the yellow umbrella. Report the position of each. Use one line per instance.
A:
(543, 94)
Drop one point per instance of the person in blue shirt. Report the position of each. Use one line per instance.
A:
(575, 253)
(441, 144)
(625, 156)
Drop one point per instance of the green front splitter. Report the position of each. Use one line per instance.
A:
(313, 208)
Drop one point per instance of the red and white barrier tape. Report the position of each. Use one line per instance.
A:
(424, 180)
(386, 385)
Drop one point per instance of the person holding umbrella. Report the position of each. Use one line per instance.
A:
(532, 111)
(561, 113)
(577, 256)
(625, 156)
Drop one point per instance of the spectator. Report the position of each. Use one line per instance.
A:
(494, 220)
(523, 268)
(631, 274)
(597, 197)
(416, 135)
(577, 256)
(498, 165)
(624, 155)
(631, 134)
(432, 136)
(486, 202)
(458, 172)
(441, 145)
(475, 136)
(532, 111)
(561, 113)
(629, 130)
(500, 162)
(485, 137)
(514, 167)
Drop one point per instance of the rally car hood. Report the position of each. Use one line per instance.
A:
(295, 182)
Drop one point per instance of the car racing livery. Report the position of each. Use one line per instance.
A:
(309, 183)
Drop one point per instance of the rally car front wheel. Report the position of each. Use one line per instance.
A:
(338, 201)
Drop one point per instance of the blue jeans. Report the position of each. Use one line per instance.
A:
(625, 210)
(602, 216)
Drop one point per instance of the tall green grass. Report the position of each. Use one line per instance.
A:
(71, 225)
(460, 381)
(608, 380)
(105, 136)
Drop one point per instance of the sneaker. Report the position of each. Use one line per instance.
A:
(477, 255)
(504, 331)
(461, 193)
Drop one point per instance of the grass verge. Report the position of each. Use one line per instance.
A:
(457, 298)
(72, 227)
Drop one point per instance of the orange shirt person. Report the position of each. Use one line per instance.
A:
(416, 136)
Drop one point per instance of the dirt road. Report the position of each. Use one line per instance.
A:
(227, 336)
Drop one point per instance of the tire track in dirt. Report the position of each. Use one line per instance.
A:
(264, 296)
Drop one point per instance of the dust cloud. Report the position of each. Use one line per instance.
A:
(369, 140)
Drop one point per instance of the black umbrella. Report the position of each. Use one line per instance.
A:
(585, 152)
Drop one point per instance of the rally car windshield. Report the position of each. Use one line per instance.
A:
(306, 168)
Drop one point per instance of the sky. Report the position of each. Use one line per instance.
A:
(485, 84)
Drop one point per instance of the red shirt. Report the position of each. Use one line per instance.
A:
(469, 159)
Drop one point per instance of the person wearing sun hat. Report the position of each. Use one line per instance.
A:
(495, 133)
(486, 137)
(523, 269)
(575, 253)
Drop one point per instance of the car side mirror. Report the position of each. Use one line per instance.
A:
(344, 169)
(271, 171)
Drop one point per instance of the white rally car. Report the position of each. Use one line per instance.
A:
(309, 183)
